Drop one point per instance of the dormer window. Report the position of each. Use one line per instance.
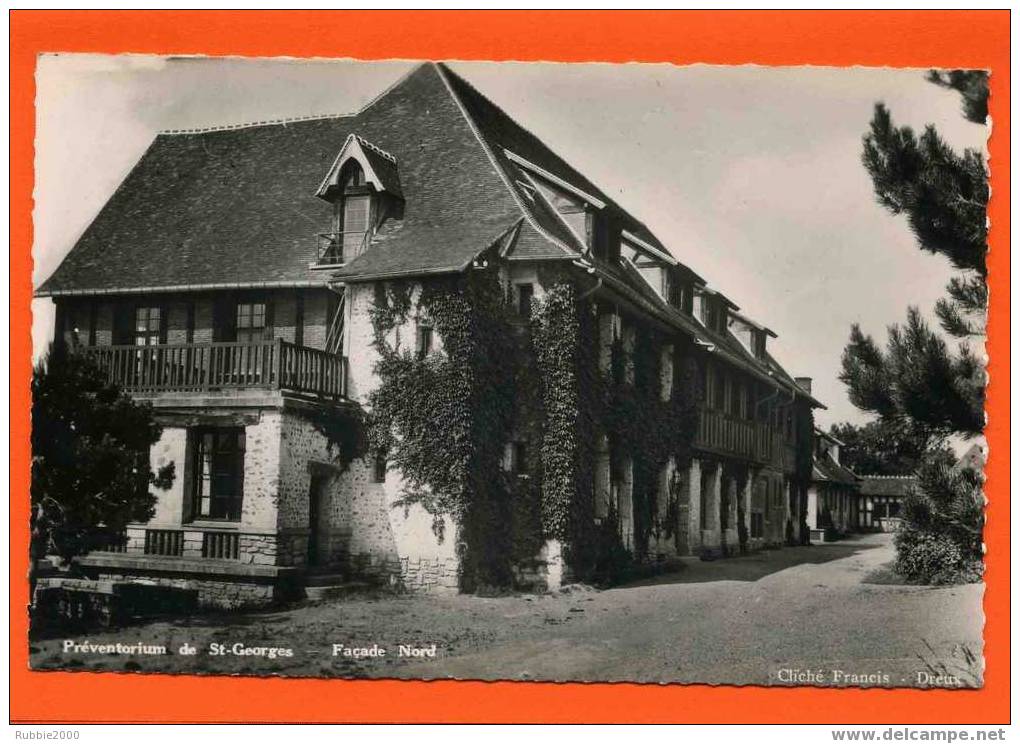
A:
(759, 344)
(709, 312)
(670, 289)
(363, 187)
(582, 213)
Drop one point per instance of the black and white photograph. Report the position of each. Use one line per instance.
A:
(521, 371)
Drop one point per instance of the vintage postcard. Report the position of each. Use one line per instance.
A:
(433, 369)
(418, 397)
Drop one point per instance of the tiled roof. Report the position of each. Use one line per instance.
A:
(237, 206)
(828, 470)
(887, 485)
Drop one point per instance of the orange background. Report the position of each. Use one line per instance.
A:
(875, 38)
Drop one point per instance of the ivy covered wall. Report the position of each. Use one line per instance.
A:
(444, 419)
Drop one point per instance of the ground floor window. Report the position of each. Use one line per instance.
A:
(219, 472)
(886, 506)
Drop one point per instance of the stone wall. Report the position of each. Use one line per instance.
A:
(226, 594)
(364, 519)
(360, 529)
(171, 447)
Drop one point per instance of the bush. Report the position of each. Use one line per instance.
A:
(940, 539)
(931, 558)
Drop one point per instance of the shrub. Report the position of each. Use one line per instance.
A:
(940, 540)
(932, 558)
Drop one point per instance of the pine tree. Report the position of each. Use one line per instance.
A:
(944, 196)
(917, 383)
(90, 458)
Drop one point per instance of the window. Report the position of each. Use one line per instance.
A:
(525, 292)
(352, 216)
(671, 289)
(759, 344)
(219, 472)
(708, 312)
(356, 216)
(424, 341)
(148, 326)
(687, 298)
(379, 467)
(251, 322)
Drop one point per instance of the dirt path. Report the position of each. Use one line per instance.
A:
(771, 618)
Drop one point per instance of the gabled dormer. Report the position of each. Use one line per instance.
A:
(363, 185)
(753, 336)
(712, 309)
(584, 214)
(674, 282)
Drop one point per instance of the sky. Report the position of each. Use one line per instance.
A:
(750, 175)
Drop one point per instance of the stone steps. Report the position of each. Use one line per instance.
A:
(321, 591)
(325, 578)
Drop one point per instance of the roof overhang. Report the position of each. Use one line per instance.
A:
(159, 289)
(757, 326)
(553, 178)
(647, 248)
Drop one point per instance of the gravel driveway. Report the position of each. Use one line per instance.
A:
(793, 616)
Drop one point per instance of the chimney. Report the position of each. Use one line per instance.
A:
(804, 383)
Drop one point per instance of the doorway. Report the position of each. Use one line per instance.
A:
(316, 521)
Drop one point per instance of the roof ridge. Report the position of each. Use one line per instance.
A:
(252, 124)
(290, 119)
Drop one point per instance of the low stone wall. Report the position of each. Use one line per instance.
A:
(220, 584)
(63, 603)
(223, 595)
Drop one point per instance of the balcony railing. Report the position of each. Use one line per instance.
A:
(725, 434)
(275, 365)
(333, 248)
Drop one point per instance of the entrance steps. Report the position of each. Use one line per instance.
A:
(325, 584)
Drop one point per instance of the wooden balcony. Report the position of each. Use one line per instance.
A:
(723, 434)
(272, 365)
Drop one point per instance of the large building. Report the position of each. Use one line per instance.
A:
(257, 284)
